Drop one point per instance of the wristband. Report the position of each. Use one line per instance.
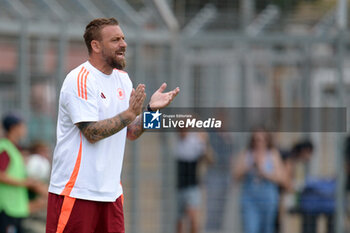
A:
(149, 108)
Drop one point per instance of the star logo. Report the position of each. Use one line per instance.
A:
(151, 120)
(156, 115)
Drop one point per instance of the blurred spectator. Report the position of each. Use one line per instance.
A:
(14, 201)
(191, 148)
(297, 156)
(282, 190)
(300, 155)
(38, 167)
(218, 179)
(261, 171)
(297, 168)
(347, 177)
(38, 164)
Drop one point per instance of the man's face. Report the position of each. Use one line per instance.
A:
(113, 46)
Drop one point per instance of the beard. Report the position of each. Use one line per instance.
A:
(114, 62)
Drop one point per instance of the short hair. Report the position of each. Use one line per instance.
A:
(10, 120)
(93, 29)
(301, 146)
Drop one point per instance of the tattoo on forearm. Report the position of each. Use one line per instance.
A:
(95, 131)
(135, 129)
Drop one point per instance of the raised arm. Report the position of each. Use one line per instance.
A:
(95, 131)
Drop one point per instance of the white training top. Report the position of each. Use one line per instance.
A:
(81, 169)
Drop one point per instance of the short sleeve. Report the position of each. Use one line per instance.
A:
(4, 161)
(79, 97)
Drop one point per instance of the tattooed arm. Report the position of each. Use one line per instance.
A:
(135, 129)
(95, 131)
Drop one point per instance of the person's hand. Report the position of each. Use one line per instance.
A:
(29, 183)
(260, 163)
(38, 204)
(36, 186)
(137, 98)
(160, 100)
(41, 189)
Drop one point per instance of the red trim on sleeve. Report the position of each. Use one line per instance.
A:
(4, 161)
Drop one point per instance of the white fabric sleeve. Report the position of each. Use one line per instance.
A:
(82, 105)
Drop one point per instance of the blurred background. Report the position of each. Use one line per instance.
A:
(223, 53)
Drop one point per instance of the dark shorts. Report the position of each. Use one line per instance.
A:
(71, 215)
(9, 224)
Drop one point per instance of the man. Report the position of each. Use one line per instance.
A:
(14, 184)
(98, 109)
